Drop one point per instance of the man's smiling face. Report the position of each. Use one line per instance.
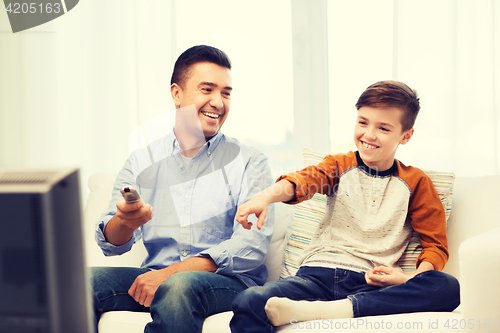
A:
(208, 88)
(377, 135)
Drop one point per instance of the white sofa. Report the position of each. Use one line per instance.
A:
(474, 243)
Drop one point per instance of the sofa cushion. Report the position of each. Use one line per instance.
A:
(308, 215)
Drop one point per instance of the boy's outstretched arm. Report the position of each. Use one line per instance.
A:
(281, 191)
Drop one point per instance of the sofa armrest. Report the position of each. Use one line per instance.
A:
(479, 258)
(282, 223)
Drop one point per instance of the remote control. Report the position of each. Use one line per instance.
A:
(130, 194)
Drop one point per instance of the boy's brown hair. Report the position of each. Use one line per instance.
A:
(392, 94)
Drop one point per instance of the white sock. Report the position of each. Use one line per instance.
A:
(281, 311)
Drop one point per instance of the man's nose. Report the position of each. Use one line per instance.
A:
(216, 101)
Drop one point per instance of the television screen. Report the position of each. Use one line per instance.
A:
(43, 277)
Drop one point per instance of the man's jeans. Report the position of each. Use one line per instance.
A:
(428, 291)
(181, 304)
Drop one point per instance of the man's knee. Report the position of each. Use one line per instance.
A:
(97, 274)
(179, 286)
(107, 281)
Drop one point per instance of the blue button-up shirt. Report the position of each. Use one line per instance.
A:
(194, 206)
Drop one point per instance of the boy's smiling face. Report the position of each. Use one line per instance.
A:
(377, 135)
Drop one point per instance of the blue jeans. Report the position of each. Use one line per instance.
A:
(181, 304)
(428, 291)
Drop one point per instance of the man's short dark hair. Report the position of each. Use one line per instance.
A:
(194, 55)
(392, 94)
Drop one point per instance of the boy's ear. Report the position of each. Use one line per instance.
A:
(176, 91)
(407, 136)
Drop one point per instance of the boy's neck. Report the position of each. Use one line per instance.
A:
(375, 171)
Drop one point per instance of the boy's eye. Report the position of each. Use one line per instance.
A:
(206, 89)
(384, 129)
(362, 122)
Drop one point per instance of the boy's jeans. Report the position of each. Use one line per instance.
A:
(180, 305)
(428, 291)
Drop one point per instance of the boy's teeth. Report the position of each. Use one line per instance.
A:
(368, 146)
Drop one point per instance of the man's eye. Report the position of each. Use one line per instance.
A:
(226, 94)
(206, 89)
(362, 122)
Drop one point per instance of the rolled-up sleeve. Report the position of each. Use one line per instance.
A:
(322, 178)
(124, 178)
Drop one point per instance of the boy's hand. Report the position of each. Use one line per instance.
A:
(281, 191)
(382, 276)
(258, 205)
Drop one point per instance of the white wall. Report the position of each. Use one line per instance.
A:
(73, 89)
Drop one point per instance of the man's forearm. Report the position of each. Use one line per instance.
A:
(116, 232)
(204, 264)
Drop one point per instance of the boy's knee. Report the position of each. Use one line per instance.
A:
(451, 283)
(443, 283)
(252, 297)
(444, 278)
(450, 290)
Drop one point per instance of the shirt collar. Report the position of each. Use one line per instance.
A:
(210, 145)
(375, 172)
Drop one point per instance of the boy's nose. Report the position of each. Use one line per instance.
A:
(370, 134)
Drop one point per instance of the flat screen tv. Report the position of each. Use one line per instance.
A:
(43, 276)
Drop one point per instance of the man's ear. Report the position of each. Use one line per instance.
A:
(407, 136)
(176, 92)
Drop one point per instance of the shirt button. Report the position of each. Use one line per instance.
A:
(184, 253)
(186, 196)
(181, 166)
(184, 225)
(209, 153)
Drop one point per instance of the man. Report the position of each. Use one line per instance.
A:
(191, 182)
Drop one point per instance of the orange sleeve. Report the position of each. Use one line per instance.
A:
(322, 178)
(429, 220)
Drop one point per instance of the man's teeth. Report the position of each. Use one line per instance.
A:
(211, 115)
(369, 146)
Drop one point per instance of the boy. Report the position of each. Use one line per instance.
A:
(373, 203)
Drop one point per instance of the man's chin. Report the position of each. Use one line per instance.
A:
(209, 134)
